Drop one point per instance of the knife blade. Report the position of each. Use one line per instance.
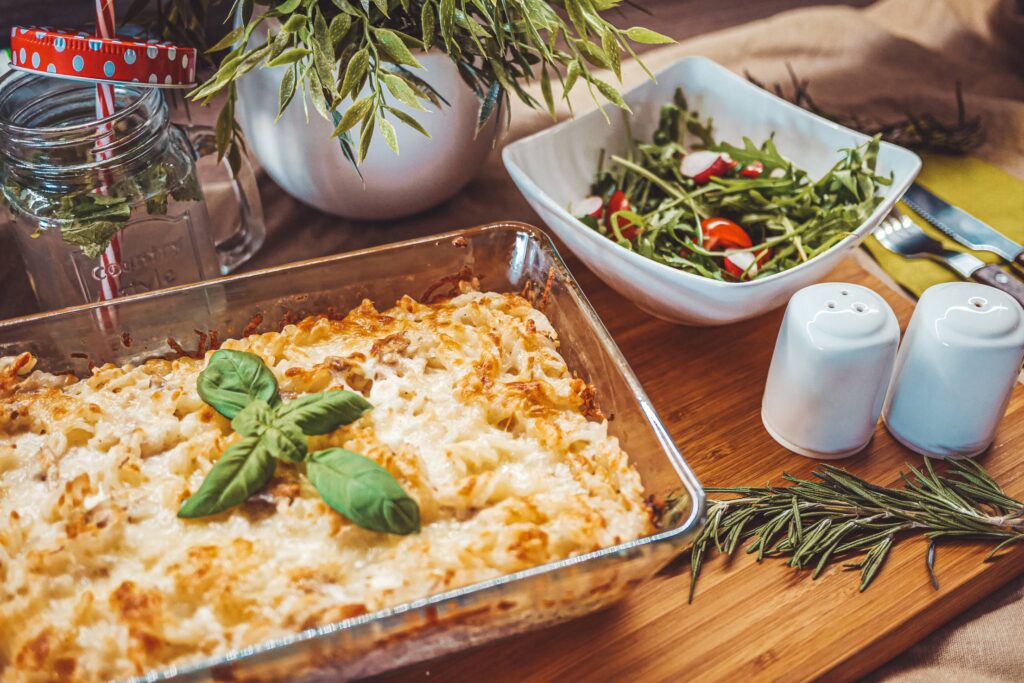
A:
(962, 226)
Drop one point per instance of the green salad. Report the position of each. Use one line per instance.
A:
(730, 213)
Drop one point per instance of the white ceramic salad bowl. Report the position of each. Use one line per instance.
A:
(556, 166)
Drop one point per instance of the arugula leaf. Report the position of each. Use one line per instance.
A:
(242, 470)
(789, 217)
(233, 379)
(363, 491)
(324, 412)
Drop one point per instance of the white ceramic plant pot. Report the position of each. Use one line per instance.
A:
(301, 156)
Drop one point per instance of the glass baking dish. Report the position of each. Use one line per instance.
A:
(503, 257)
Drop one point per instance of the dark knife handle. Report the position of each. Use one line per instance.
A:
(1019, 261)
(1000, 279)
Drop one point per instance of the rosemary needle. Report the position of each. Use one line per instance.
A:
(839, 516)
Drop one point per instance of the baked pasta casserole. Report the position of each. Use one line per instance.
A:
(475, 414)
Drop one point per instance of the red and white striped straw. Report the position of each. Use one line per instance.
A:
(105, 108)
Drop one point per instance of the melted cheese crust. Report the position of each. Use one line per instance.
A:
(475, 414)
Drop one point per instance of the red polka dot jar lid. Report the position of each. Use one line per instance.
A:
(79, 55)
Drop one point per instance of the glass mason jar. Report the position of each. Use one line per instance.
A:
(110, 208)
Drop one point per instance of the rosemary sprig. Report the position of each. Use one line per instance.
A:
(840, 516)
(922, 131)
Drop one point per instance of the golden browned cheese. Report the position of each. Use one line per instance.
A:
(475, 414)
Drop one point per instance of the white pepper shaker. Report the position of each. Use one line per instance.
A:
(955, 370)
(831, 367)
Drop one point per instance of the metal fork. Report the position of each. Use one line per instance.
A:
(902, 236)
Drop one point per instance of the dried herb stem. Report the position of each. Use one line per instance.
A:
(838, 515)
(922, 131)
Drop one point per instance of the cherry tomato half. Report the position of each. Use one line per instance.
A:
(722, 233)
(620, 202)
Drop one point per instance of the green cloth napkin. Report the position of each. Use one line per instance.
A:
(979, 188)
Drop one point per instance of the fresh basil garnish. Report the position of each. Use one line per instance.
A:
(233, 379)
(254, 419)
(324, 412)
(241, 387)
(244, 469)
(281, 437)
(363, 491)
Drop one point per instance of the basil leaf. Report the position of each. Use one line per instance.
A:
(324, 412)
(363, 491)
(286, 441)
(233, 379)
(254, 419)
(242, 470)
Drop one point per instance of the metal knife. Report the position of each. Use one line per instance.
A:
(902, 236)
(962, 226)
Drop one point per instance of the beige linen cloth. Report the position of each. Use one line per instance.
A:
(876, 61)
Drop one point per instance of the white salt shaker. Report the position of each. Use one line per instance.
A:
(956, 369)
(830, 370)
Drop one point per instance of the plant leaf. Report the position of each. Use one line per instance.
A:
(287, 91)
(363, 491)
(233, 379)
(340, 25)
(409, 121)
(610, 93)
(427, 25)
(294, 23)
(611, 51)
(354, 72)
(323, 412)
(365, 136)
(446, 13)
(488, 103)
(646, 36)
(243, 469)
(572, 74)
(401, 90)
(387, 129)
(289, 56)
(227, 41)
(545, 89)
(353, 115)
(395, 48)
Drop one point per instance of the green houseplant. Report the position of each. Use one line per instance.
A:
(359, 64)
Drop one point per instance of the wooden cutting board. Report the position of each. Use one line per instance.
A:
(749, 621)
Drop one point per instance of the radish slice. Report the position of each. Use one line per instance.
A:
(753, 170)
(777, 172)
(591, 206)
(702, 165)
(743, 260)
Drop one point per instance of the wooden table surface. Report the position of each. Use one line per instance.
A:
(764, 622)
